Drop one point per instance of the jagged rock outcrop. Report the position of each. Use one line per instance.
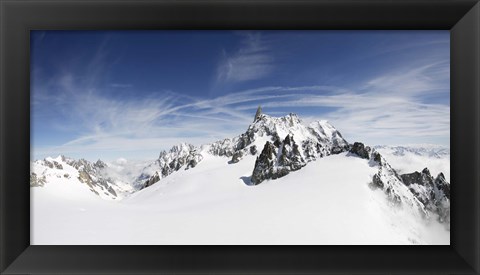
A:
(289, 155)
(316, 140)
(36, 181)
(100, 164)
(258, 113)
(434, 193)
(224, 147)
(93, 175)
(361, 150)
(52, 164)
(275, 162)
(294, 143)
(184, 156)
(387, 179)
(253, 150)
(153, 179)
(237, 156)
(288, 145)
(415, 180)
(420, 189)
(264, 165)
(442, 185)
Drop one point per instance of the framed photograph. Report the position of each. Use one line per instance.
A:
(310, 137)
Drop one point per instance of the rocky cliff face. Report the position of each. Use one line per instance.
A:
(281, 145)
(183, 156)
(386, 178)
(277, 160)
(293, 142)
(93, 175)
(434, 193)
(428, 195)
(293, 145)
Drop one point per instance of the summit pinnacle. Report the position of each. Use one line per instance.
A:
(258, 113)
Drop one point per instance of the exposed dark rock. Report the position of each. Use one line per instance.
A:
(237, 156)
(442, 185)
(253, 150)
(192, 163)
(48, 164)
(57, 165)
(393, 196)
(377, 157)
(258, 113)
(84, 177)
(433, 193)
(377, 182)
(421, 178)
(361, 150)
(264, 164)
(183, 156)
(290, 156)
(111, 191)
(337, 149)
(273, 164)
(165, 171)
(100, 164)
(277, 143)
(36, 181)
(224, 147)
(153, 179)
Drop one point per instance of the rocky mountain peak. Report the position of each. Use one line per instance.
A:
(288, 139)
(181, 156)
(258, 113)
(277, 160)
(361, 150)
(93, 174)
(426, 172)
(434, 193)
(100, 164)
(423, 178)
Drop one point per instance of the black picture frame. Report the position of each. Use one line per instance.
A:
(18, 17)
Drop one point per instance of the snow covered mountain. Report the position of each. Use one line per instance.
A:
(434, 193)
(293, 142)
(95, 176)
(280, 154)
(419, 189)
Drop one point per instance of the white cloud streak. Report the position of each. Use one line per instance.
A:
(384, 110)
(252, 61)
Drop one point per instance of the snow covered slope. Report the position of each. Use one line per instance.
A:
(309, 142)
(329, 201)
(280, 182)
(96, 177)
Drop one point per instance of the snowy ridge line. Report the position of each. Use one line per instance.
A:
(419, 190)
(95, 176)
(309, 143)
(280, 145)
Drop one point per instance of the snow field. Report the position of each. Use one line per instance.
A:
(328, 201)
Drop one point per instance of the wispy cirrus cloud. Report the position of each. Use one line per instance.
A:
(253, 60)
(427, 78)
(397, 106)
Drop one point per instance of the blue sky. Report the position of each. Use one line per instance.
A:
(131, 94)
